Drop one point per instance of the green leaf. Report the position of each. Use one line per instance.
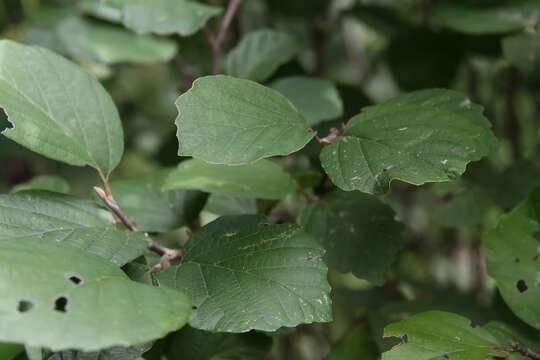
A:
(9, 351)
(259, 54)
(523, 51)
(58, 297)
(358, 232)
(95, 42)
(224, 120)
(442, 335)
(52, 217)
(115, 353)
(225, 205)
(44, 182)
(263, 179)
(424, 136)
(244, 273)
(166, 17)
(195, 344)
(503, 17)
(153, 209)
(57, 109)
(316, 99)
(512, 254)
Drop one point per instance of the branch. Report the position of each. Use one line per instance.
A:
(167, 255)
(524, 351)
(216, 41)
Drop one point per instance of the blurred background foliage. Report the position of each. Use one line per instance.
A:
(371, 50)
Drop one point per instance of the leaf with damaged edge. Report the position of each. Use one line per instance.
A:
(358, 232)
(57, 109)
(443, 335)
(224, 120)
(244, 273)
(57, 297)
(52, 217)
(423, 136)
(115, 353)
(263, 179)
(259, 54)
(512, 252)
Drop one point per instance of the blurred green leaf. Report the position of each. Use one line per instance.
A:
(263, 179)
(259, 54)
(153, 209)
(244, 273)
(316, 99)
(523, 51)
(44, 182)
(360, 233)
(94, 42)
(9, 351)
(224, 120)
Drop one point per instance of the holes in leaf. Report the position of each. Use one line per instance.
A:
(517, 260)
(75, 279)
(521, 286)
(60, 304)
(194, 307)
(24, 306)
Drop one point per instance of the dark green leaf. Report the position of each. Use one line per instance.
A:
(244, 273)
(523, 51)
(424, 136)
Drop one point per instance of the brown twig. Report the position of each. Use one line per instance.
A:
(524, 351)
(333, 134)
(167, 255)
(216, 41)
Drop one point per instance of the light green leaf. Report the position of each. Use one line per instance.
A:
(244, 273)
(52, 217)
(153, 209)
(44, 182)
(110, 10)
(424, 136)
(316, 99)
(195, 344)
(57, 297)
(512, 252)
(259, 54)
(503, 17)
(263, 179)
(57, 109)
(166, 17)
(95, 42)
(358, 231)
(224, 120)
(523, 51)
(442, 335)
(226, 205)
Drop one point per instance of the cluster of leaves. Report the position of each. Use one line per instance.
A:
(266, 237)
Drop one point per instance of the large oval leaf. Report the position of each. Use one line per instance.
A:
(424, 136)
(512, 253)
(358, 231)
(224, 120)
(58, 297)
(57, 109)
(53, 217)
(263, 179)
(244, 273)
(260, 53)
